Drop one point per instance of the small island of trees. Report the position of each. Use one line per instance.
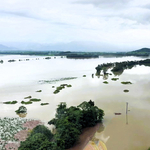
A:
(1, 61)
(69, 123)
(119, 67)
(21, 109)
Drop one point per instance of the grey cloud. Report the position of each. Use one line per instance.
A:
(146, 6)
(28, 15)
(141, 17)
(105, 3)
(20, 14)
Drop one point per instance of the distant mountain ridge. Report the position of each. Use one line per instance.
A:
(69, 46)
(140, 52)
(143, 50)
(72, 46)
(3, 48)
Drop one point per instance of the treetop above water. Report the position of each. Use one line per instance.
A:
(119, 67)
(69, 123)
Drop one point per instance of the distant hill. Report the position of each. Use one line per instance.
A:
(140, 52)
(75, 46)
(143, 50)
(3, 48)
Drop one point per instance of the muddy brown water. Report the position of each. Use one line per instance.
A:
(85, 137)
(117, 135)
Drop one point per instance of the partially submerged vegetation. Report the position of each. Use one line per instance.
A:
(47, 58)
(105, 82)
(22, 109)
(56, 80)
(30, 101)
(69, 123)
(69, 85)
(28, 97)
(39, 139)
(104, 68)
(114, 79)
(126, 90)
(44, 104)
(119, 67)
(39, 91)
(62, 86)
(12, 60)
(26, 103)
(10, 102)
(35, 100)
(126, 82)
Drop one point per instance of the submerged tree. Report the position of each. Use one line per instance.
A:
(69, 123)
(22, 109)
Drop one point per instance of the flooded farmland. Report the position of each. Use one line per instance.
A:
(21, 79)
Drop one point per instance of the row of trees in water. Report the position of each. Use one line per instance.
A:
(119, 67)
(68, 122)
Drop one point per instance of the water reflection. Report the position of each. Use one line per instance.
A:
(22, 111)
(97, 143)
(88, 136)
(22, 115)
(92, 75)
(118, 73)
(105, 76)
(110, 98)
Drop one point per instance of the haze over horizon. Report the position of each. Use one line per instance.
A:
(76, 25)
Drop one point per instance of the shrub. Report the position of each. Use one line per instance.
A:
(10, 102)
(127, 82)
(43, 130)
(23, 102)
(126, 91)
(69, 123)
(69, 85)
(21, 109)
(35, 100)
(105, 82)
(39, 91)
(35, 142)
(44, 104)
(28, 97)
(115, 79)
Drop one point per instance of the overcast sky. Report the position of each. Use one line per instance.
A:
(123, 23)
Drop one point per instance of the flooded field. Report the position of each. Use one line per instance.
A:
(21, 79)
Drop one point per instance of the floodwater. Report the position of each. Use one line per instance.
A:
(23, 78)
